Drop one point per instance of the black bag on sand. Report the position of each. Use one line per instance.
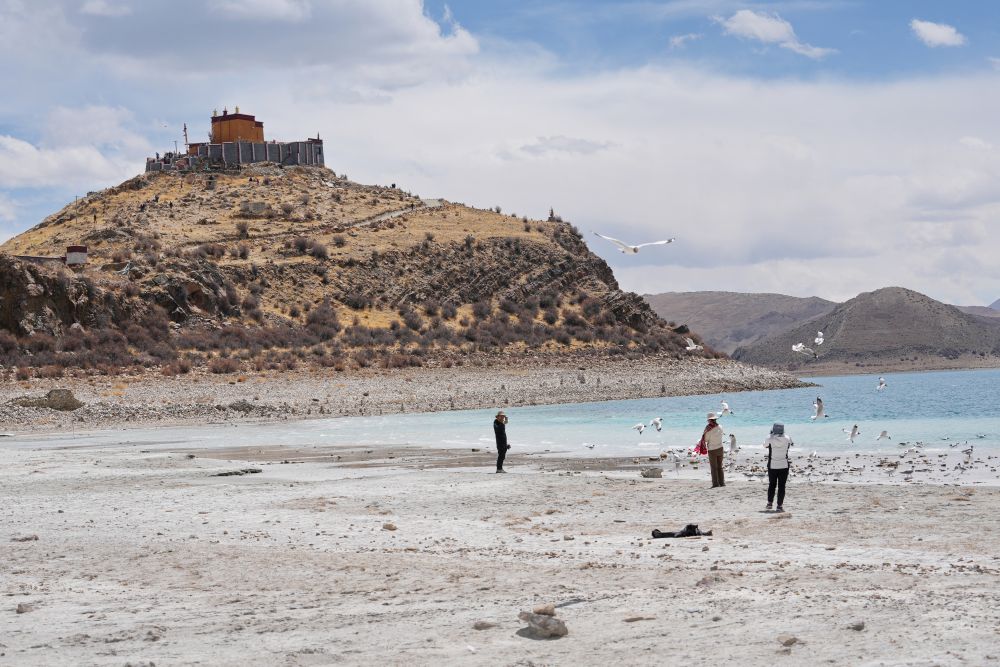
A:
(690, 530)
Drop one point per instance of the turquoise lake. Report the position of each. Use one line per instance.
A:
(939, 408)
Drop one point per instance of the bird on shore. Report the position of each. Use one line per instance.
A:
(802, 349)
(657, 423)
(819, 338)
(733, 447)
(692, 346)
(724, 409)
(589, 446)
(820, 411)
(968, 452)
(883, 434)
(640, 428)
(627, 249)
(853, 433)
(881, 384)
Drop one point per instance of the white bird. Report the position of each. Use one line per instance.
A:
(733, 447)
(627, 249)
(802, 349)
(658, 423)
(692, 346)
(589, 446)
(819, 338)
(820, 412)
(881, 384)
(724, 409)
(853, 433)
(883, 434)
(640, 428)
(968, 452)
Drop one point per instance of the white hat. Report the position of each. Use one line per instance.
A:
(712, 415)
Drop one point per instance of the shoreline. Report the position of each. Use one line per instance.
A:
(150, 399)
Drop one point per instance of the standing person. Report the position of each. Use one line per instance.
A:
(712, 439)
(777, 464)
(500, 431)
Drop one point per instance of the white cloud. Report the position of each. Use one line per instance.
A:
(769, 29)
(936, 34)
(104, 8)
(680, 41)
(292, 11)
(7, 209)
(995, 62)
(544, 146)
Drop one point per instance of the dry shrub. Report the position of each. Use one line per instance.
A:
(222, 365)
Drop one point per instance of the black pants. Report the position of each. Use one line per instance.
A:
(501, 454)
(776, 477)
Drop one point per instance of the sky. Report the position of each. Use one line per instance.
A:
(806, 147)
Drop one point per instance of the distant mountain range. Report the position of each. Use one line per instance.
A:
(728, 320)
(890, 328)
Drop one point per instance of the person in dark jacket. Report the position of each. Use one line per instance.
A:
(500, 431)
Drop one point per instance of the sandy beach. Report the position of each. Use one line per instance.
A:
(347, 556)
(204, 398)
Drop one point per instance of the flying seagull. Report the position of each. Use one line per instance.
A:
(883, 434)
(640, 428)
(658, 423)
(802, 349)
(724, 409)
(853, 433)
(627, 249)
(819, 338)
(820, 412)
(692, 346)
(881, 384)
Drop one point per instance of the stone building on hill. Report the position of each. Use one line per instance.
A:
(237, 139)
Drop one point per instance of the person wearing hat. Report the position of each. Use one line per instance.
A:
(500, 431)
(777, 464)
(712, 439)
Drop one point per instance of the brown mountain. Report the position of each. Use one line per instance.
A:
(728, 320)
(274, 267)
(890, 327)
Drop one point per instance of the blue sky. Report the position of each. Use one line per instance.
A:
(803, 146)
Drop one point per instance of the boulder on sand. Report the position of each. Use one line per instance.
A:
(56, 399)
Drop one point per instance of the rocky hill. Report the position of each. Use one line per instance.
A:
(728, 320)
(995, 305)
(888, 328)
(278, 268)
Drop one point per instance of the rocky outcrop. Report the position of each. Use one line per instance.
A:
(57, 399)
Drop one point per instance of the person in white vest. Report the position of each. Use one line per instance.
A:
(777, 464)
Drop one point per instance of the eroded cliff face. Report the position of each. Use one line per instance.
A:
(297, 258)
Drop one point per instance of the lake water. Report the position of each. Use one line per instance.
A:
(939, 408)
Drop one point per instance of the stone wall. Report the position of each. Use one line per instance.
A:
(236, 153)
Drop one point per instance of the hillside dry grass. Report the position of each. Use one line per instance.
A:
(281, 268)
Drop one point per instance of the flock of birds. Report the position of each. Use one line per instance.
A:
(819, 410)
(676, 457)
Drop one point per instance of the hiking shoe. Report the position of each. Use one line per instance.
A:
(500, 471)
(768, 507)
(780, 509)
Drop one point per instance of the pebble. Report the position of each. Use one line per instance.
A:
(24, 608)
(483, 625)
(788, 640)
(545, 610)
(857, 626)
(388, 526)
